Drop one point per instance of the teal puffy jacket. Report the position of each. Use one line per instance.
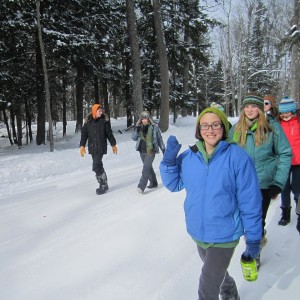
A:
(272, 159)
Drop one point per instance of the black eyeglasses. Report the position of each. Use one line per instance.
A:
(267, 103)
(214, 126)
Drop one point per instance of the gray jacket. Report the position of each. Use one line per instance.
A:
(157, 138)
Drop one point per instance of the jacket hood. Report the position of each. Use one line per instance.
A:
(94, 110)
(90, 117)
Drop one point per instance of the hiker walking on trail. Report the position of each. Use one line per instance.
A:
(148, 142)
(290, 122)
(96, 131)
(264, 140)
(223, 200)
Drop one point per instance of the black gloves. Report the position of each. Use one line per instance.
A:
(138, 128)
(274, 190)
(298, 224)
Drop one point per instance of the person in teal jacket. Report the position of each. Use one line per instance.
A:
(223, 199)
(265, 141)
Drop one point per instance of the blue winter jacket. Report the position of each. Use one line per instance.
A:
(223, 198)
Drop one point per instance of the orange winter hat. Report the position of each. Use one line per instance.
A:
(94, 109)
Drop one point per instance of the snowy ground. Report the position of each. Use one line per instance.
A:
(59, 240)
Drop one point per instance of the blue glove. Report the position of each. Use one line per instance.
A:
(252, 249)
(171, 151)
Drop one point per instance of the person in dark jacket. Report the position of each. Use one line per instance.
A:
(97, 130)
(223, 200)
(148, 141)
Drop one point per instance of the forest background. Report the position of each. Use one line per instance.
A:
(169, 57)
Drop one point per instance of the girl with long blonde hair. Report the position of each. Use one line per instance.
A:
(264, 141)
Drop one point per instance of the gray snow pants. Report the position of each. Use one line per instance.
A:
(147, 172)
(214, 279)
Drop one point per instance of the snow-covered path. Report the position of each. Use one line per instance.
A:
(59, 240)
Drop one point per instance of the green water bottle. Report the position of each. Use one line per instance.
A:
(249, 268)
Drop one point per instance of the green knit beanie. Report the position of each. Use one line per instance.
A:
(219, 113)
(253, 99)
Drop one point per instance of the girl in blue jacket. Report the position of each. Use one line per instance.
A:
(223, 199)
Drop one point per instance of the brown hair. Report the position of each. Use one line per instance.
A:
(275, 112)
(298, 114)
(262, 130)
(274, 107)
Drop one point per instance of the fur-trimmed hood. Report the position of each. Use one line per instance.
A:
(89, 117)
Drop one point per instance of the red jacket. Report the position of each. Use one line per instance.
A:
(292, 131)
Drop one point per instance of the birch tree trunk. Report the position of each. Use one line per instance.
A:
(48, 108)
(186, 69)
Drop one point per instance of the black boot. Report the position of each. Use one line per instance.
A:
(152, 185)
(228, 289)
(285, 216)
(103, 186)
(298, 224)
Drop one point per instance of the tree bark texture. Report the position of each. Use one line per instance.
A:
(135, 56)
(40, 94)
(79, 97)
(46, 80)
(163, 67)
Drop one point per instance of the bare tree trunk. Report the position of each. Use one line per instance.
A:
(225, 85)
(185, 80)
(135, 56)
(250, 9)
(225, 43)
(224, 68)
(230, 67)
(105, 97)
(7, 127)
(19, 127)
(40, 95)
(128, 101)
(239, 78)
(115, 108)
(239, 89)
(64, 113)
(96, 89)
(13, 126)
(28, 120)
(48, 107)
(295, 63)
(163, 66)
(79, 97)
